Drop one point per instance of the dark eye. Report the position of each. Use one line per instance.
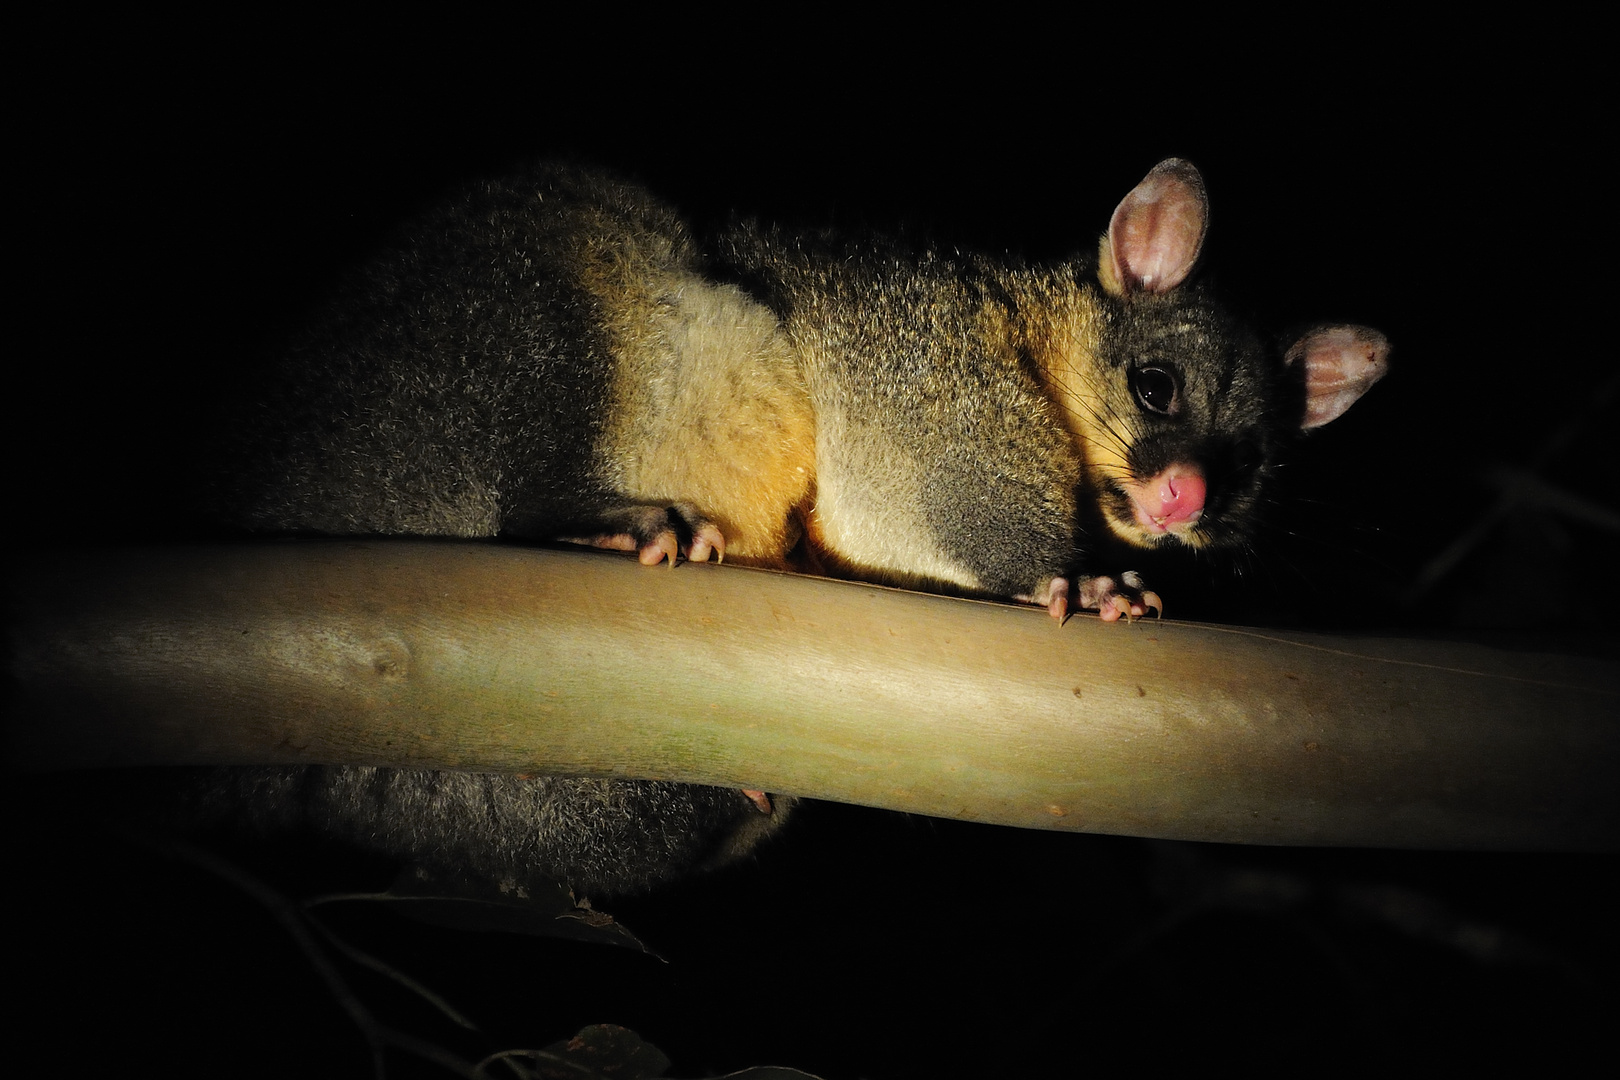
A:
(1155, 389)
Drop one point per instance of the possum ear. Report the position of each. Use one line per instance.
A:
(1156, 232)
(1341, 363)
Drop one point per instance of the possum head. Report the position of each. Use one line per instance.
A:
(1185, 407)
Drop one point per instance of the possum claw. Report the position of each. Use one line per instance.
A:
(1128, 596)
(1054, 597)
(655, 534)
(660, 547)
(761, 800)
(1058, 599)
(705, 539)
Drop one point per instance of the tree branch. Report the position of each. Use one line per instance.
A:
(478, 656)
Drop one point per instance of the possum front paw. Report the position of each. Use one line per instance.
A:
(657, 533)
(1127, 595)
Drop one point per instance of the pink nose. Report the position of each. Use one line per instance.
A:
(1171, 500)
(1180, 495)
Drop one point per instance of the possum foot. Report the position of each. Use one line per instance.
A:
(1111, 598)
(657, 533)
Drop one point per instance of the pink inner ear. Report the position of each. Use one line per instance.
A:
(1158, 229)
(1341, 364)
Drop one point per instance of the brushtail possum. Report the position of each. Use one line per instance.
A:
(554, 355)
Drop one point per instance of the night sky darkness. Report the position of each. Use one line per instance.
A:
(185, 204)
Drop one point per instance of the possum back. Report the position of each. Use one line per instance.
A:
(529, 360)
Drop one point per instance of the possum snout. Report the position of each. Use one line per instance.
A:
(1172, 501)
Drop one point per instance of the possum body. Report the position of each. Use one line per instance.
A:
(553, 356)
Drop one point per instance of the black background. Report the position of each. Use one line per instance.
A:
(183, 194)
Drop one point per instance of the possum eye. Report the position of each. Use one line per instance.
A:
(1155, 389)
